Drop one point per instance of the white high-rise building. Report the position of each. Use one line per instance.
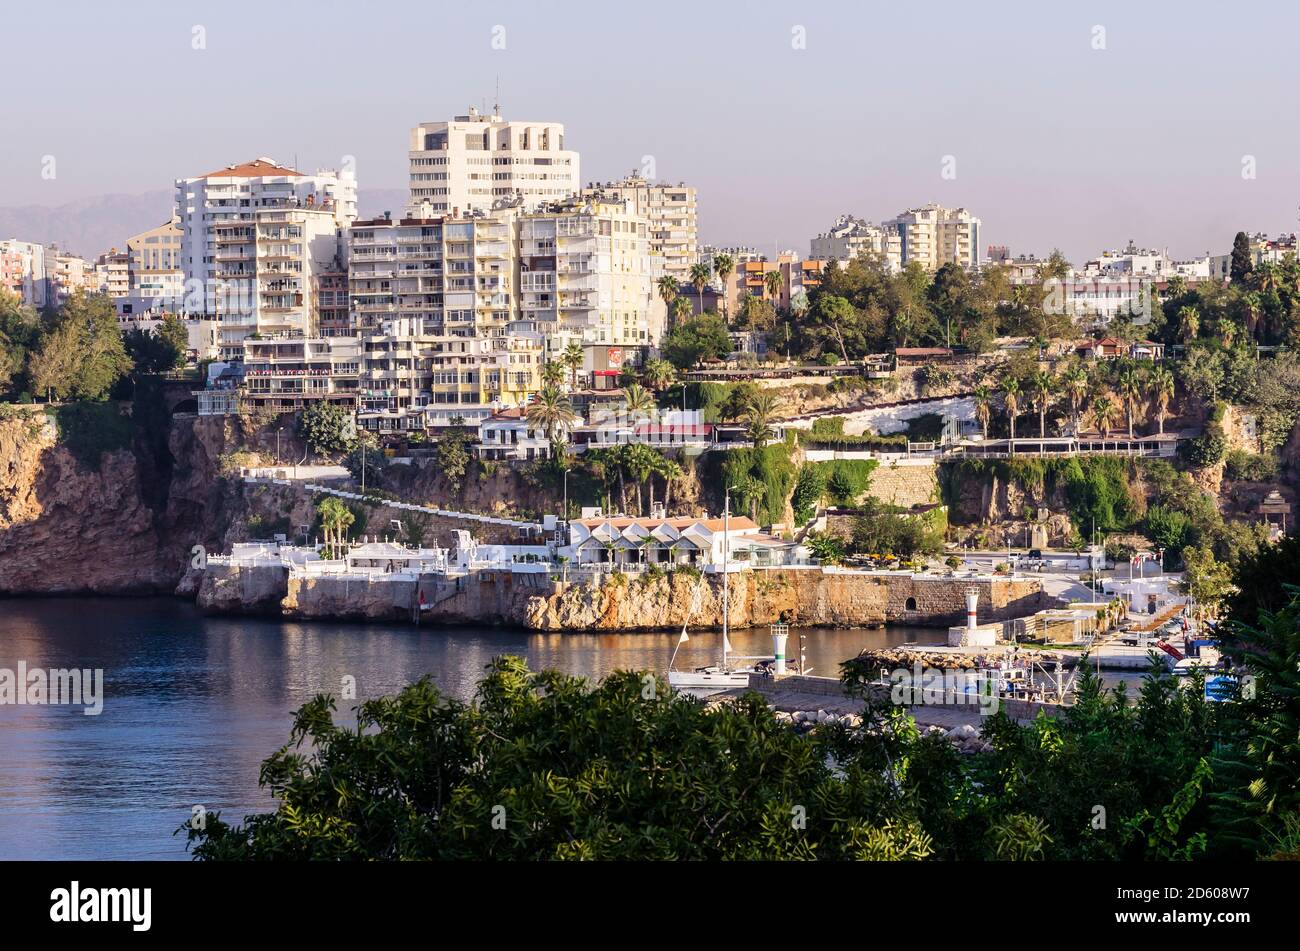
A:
(932, 236)
(23, 271)
(257, 236)
(670, 209)
(848, 238)
(474, 160)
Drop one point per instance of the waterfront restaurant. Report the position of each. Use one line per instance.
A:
(623, 542)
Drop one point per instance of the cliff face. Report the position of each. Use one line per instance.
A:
(126, 526)
(756, 598)
(64, 528)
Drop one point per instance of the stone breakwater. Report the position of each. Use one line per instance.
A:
(805, 597)
(895, 658)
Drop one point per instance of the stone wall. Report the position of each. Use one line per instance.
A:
(904, 485)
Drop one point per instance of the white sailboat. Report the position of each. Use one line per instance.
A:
(726, 674)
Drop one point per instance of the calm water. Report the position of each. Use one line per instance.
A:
(193, 704)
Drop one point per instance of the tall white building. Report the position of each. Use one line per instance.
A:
(932, 236)
(256, 237)
(473, 160)
(848, 238)
(671, 211)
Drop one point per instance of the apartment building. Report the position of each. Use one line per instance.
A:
(113, 273)
(1131, 261)
(474, 160)
(68, 274)
(455, 276)
(288, 372)
(671, 211)
(23, 271)
(153, 262)
(847, 239)
(1263, 249)
(750, 280)
(257, 236)
(411, 379)
(587, 276)
(932, 236)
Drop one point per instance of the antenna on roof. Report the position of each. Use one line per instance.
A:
(496, 103)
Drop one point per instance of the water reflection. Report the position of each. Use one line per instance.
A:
(192, 705)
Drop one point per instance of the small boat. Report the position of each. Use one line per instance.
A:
(726, 674)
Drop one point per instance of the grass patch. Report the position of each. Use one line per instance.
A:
(89, 430)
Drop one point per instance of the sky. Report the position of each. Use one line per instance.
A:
(1077, 125)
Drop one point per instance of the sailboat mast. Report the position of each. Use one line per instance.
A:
(726, 525)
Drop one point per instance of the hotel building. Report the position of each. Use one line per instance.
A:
(670, 210)
(474, 160)
(258, 236)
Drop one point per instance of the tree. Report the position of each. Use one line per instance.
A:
(1041, 384)
(335, 520)
(551, 411)
(155, 351)
(681, 310)
(1161, 384)
(452, 452)
(700, 338)
(83, 355)
(700, 274)
(552, 373)
(1131, 387)
(1076, 387)
(983, 394)
(1104, 411)
(723, 265)
(773, 281)
(825, 547)
(573, 358)
(758, 417)
(659, 374)
(834, 317)
(638, 401)
(1011, 400)
(1242, 260)
(327, 427)
(1189, 323)
(1206, 579)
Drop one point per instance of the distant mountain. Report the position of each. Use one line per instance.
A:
(93, 225)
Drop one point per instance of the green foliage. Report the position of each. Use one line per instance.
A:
(882, 531)
(809, 488)
(159, 350)
(769, 467)
(262, 528)
(1097, 489)
(826, 547)
(327, 427)
(847, 479)
(81, 353)
(697, 338)
(89, 430)
(453, 454)
(1251, 467)
(1209, 449)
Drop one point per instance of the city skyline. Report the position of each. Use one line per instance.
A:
(1053, 141)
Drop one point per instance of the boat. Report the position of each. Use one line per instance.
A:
(725, 674)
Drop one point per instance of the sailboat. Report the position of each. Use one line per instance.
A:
(724, 674)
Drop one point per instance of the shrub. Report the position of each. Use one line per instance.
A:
(1243, 466)
(89, 430)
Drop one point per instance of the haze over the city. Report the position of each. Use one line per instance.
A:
(1053, 141)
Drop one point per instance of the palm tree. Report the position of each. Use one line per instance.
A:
(749, 491)
(641, 460)
(758, 416)
(1253, 306)
(668, 290)
(1011, 399)
(638, 401)
(552, 373)
(1042, 384)
(1161, 383)
(550, 410)
(772, 280)
(1130, 390)
(335, 519)
(659, 374)
(1103, 413)
(572, 358)
(681, 310)
(671, 472)
(723, 264)
(1189, 323)
(701, 273)
(983, 406)
(1076, 385)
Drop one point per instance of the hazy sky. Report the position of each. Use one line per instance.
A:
(1055, 143)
